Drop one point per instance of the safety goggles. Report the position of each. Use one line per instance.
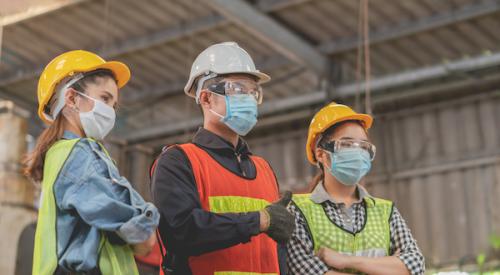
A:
(238, 87)
(341, 144)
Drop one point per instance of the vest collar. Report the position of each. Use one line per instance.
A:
(209, 140)
(319, 195)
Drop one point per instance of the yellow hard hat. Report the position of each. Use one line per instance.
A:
(328, 116)
(70, 63)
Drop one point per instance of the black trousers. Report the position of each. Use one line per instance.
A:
(61, 271)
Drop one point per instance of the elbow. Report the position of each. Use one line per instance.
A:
(144, 248)
(135, 234)
(141, 252)
(413, 266)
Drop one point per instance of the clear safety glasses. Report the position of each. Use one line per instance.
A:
(338, 145)
(238, 87)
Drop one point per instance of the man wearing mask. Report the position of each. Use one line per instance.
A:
(214, 196)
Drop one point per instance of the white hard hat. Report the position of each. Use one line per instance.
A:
(220, 59)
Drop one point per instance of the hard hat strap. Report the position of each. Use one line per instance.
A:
(200, 82)
(60, 94)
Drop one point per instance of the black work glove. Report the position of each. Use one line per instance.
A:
(114, 239)
(281, 222)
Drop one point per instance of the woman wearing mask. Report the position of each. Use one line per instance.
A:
(340, 228)
(90, 220)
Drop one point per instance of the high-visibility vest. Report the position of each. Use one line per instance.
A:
(222, 191)
(113, 259)
(373, 240)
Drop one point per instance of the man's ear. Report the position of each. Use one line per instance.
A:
(205, 98)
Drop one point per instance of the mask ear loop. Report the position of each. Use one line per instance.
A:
(88, 97)
(60, 95)
(330, 154)
(227, 107)
(328, 167)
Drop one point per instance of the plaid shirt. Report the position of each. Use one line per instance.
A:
(301, 258)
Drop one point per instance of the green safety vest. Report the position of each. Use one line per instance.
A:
(373, 240)
(113, 259)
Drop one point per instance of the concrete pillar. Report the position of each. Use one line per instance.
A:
(139, 159)
(17, 194)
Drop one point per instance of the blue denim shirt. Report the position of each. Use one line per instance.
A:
(92, 198)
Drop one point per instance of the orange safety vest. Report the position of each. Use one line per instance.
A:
(222, 191)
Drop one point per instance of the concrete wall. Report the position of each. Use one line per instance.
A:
(17, 194)
(439, 162)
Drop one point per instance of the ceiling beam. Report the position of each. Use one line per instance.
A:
(23, 102)
(273, 33)
(458, 67)
(463, 13)
(422, 74)
(34, 11)
(173, 88)
(272, 5)
(265, 123)
(133, 44)
(145, 41)
(267, 108)
(212, 21)
(136, 102)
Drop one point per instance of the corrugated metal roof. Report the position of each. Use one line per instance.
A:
(159, 39)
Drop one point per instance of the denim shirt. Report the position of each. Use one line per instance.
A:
(92, 198)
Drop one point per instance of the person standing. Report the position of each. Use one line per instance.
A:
(214, 196)
(90, 220)
(341, 228)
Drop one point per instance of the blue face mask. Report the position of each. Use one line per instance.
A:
(241, 113)
(349, 166)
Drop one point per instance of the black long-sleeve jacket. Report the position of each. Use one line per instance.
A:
(188, 229)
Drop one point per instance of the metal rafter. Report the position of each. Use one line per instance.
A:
(408, 28)
(458, 67)
(269, 30)
(147, 40)
(36, 10)
(132, 44)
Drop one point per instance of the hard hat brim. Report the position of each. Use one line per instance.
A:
(261, 79)
(119, 69)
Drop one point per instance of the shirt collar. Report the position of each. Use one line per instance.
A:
(70, 135)
(209, 140)
(319, 194)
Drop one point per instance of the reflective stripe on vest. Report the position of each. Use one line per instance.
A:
(373, 240)
(222, 191)
(113, 259)
(235, 204)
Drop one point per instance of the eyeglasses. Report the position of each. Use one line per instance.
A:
(238, 87)
(339, 145)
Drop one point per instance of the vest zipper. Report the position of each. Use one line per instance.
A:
(238, 158)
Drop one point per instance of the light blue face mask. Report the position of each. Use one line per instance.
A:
(241, 113)
(350, 165)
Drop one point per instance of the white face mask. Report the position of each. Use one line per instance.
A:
(98, 122)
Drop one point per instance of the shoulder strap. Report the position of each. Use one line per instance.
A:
(166, 257)
(155, 161)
